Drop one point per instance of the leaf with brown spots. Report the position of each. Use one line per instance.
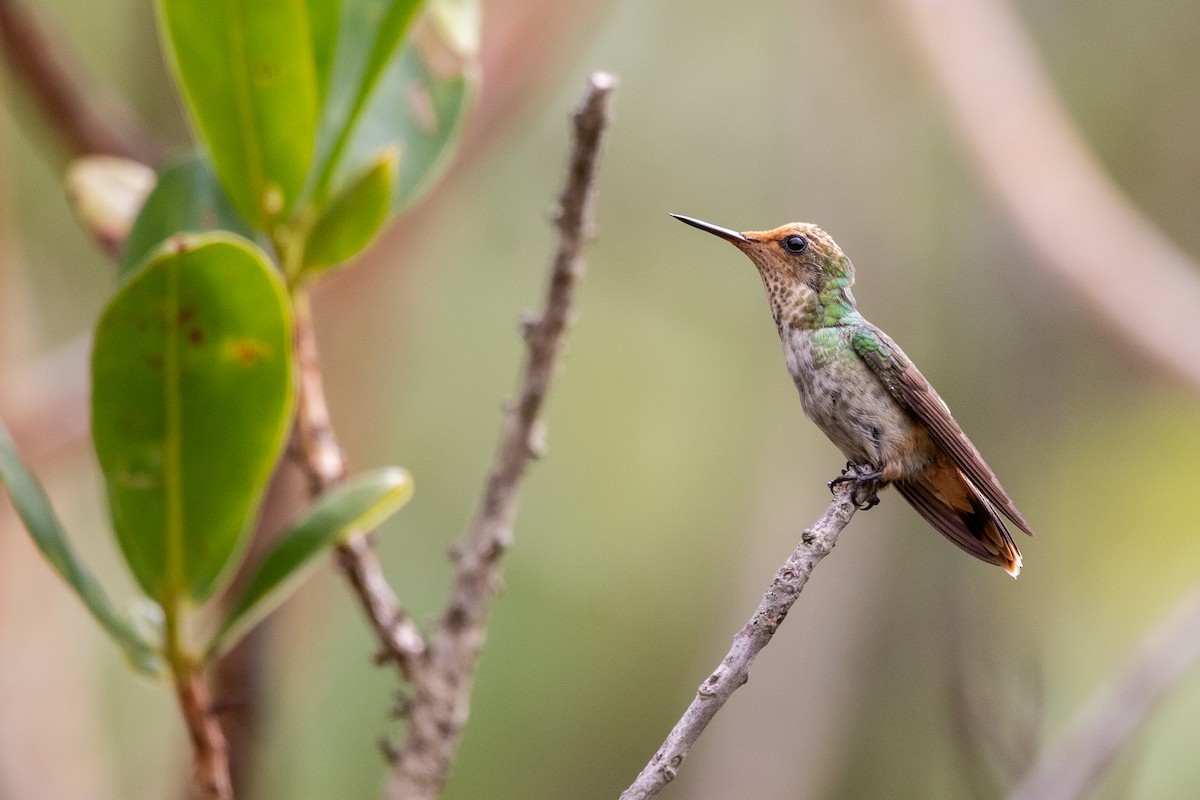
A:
(192, 394)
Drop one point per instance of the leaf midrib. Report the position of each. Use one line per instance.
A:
(175, 585)
(244, 101)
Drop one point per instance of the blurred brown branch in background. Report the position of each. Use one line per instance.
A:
(46, 409)
(88, 118)
(734, 670)
(1033, 158)
(442, 677)
(1108, 720)
(1088, 233)
(997, 725)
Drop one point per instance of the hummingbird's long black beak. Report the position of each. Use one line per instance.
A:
(716, 230)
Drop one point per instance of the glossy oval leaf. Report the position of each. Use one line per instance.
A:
(187, 199)
(246, 71)
(424, 99)
(34, 509)
(359, 504)
(191, 399)
(354, 216)
(369, 34)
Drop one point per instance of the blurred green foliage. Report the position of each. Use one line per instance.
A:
(680, 469)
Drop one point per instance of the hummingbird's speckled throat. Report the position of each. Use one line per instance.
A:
(866, 395)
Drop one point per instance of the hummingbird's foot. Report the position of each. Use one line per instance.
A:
(859, 473)
(869, 502)
(866, 484)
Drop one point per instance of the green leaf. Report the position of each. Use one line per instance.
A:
(187, 199)
(424, 98)
(354, 216)
(359, 504)
(33, 507)
(245, 68)
(369, 33)
(191, 398)
(323, 25)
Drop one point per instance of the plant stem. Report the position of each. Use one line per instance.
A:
(210, 757)
(325, 466)
(210, 778)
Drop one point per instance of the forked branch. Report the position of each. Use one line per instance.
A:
(443, 676)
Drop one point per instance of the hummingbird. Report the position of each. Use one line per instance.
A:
(869, 398)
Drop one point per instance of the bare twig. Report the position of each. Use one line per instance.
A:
(325, 465)
(89, 119)
(1038, 165)
(398, 634)
(734, 669)
(443, 677)
(321, 455)
(1116, 710)
(211, 778)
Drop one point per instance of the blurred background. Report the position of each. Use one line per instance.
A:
(680, 471)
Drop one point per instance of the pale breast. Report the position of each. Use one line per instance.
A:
(850, 405)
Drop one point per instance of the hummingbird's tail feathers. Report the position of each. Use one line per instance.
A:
(950, 503)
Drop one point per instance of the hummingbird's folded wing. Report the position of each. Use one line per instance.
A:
(911, 390)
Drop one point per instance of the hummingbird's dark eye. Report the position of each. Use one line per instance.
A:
(795, 244)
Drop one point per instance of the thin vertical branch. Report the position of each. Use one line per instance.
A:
(320, 453)
(1118, 708)
(734, 670)
(442, 678)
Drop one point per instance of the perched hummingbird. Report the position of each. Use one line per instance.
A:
(870, 399)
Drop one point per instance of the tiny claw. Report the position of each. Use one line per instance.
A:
(865, 477)
(868, 503)
(838, 481)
